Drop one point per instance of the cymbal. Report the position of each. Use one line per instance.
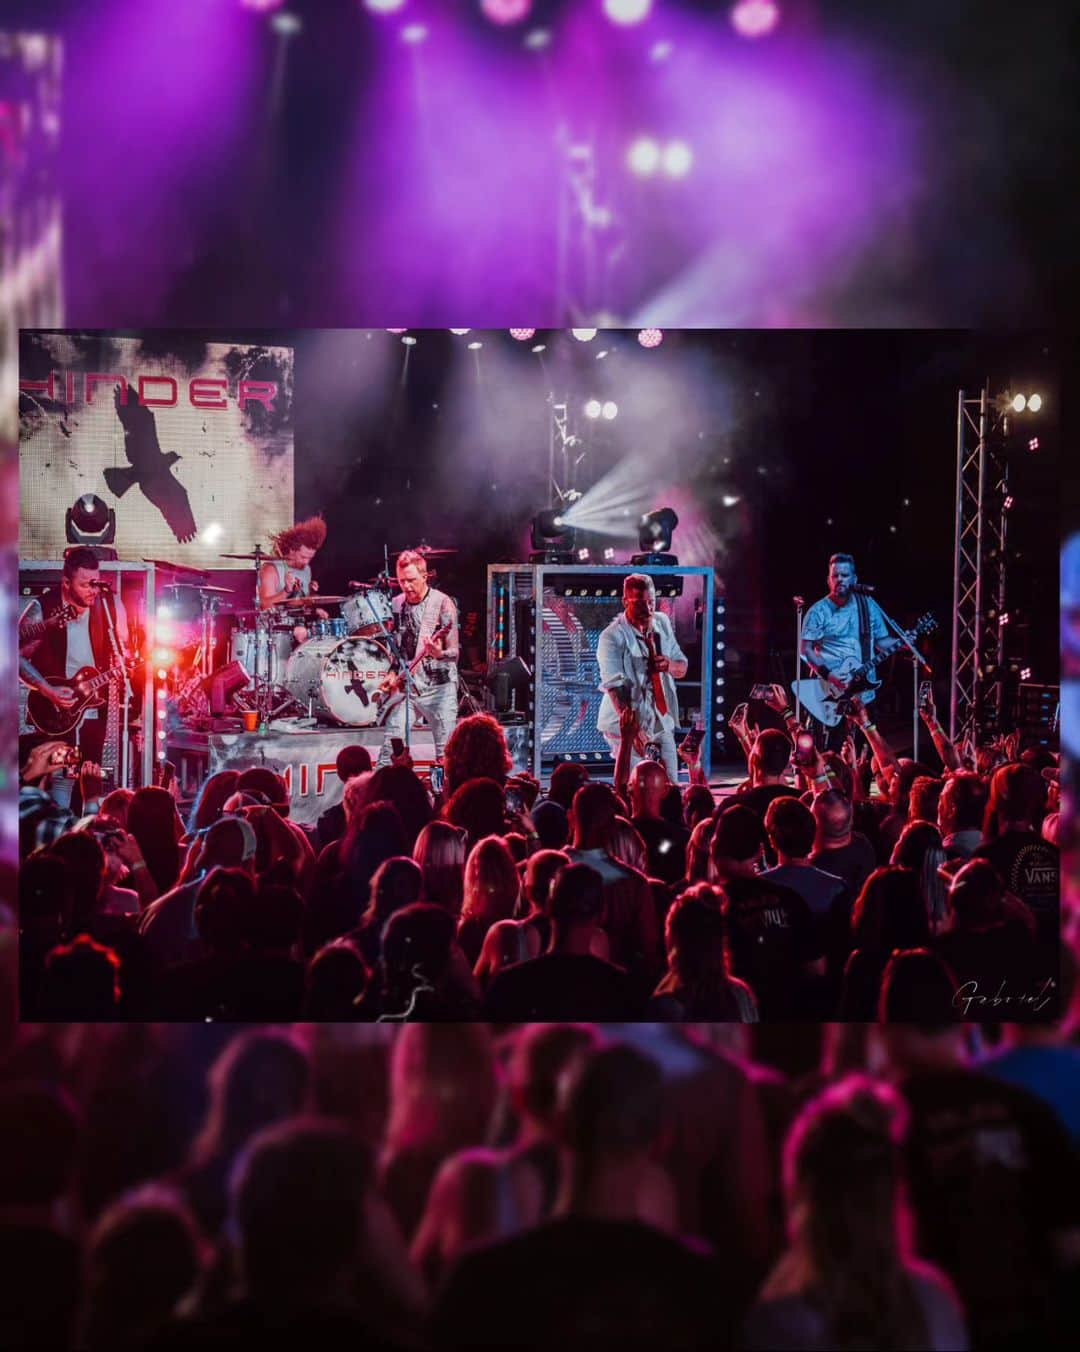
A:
(428, 551)
(177, 568)
(258, 553)
(315, 599)
(205, 587)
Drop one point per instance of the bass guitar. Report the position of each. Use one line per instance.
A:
(88, 685)
(29, 632)
(829, 705)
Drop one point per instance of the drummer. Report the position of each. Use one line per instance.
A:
(288, 573)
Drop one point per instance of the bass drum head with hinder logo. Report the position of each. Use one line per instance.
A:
(338, 679)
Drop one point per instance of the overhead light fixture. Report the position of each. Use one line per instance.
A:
(522, 335)
(89, 521)
(610, 409)
(584, 335)
(650, 337)
(553, 541)
(655, 530)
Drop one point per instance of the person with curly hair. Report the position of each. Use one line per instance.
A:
(476, 749)
(288, 573)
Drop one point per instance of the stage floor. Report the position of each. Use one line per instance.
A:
(306, 755)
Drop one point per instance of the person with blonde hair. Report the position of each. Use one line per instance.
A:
(848, 1279)
(492, 887)
(440, 852)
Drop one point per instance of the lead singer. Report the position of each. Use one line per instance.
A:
(640, 661)
(426, 624)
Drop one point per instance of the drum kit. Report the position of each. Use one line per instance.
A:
(336, 675)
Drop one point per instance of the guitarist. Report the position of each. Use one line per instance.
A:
(83, 641)
(845, 626)
(426, 625)
(640, 660)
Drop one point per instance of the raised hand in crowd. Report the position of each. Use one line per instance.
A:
(45, 759)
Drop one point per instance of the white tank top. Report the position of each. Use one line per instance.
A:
(304, 574)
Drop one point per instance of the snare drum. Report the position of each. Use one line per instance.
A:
(367, 611)
(336, 628)
(338, 679)
(271, 646)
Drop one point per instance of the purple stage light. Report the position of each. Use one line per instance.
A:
(522, 335)
(414, 33)
(627, 11)
(643, 156)
(678, 159)
(383, 6)
(651, 337)
(755, 18)
(505, 11)
(262, 6)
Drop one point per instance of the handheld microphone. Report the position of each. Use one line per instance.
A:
(362, 586)
(864, 588)
(103, 586)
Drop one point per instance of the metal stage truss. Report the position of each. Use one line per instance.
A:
(550, 616)
(977, 681)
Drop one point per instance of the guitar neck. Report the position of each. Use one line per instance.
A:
(101, 679)
(39, 627)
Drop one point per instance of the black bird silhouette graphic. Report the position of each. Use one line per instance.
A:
(150, 468)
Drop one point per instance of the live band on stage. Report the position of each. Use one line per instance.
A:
(383, 659)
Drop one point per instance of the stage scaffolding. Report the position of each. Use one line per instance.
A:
(980, 565)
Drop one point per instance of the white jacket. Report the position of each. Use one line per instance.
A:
(623, 656)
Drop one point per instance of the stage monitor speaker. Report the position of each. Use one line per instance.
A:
(221, 685)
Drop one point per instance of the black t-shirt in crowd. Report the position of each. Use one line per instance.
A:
(559, 986)
(666, 844)
(1029, 867)
(577, 1284)
(992, 1178)
(997, 974)
(772, 935)
(758, 799)
(854, 862)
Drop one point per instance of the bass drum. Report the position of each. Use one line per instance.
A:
(366, 611)
(339, 679)
(270, 646)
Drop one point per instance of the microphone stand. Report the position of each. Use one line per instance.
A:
(919, 661)
(395, 652)
(799, 603)
(118, 653)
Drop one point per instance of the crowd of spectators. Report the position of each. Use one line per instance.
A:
(644, 1186)
(853, 887)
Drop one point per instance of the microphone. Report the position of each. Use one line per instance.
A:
(363, 586)
(103, 586)
(863, 588)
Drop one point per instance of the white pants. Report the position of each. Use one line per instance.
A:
(666, 743)
(439, 705)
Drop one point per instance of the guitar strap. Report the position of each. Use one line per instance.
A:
(864, 627)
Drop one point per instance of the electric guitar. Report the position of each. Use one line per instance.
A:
(88, 685)
(829, 705)
(29, 632)
(394, 681)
